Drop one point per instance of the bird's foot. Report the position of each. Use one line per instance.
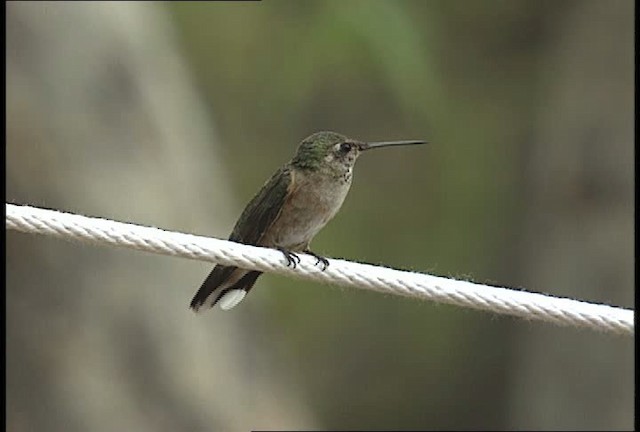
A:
(292, 259)
(319, 259)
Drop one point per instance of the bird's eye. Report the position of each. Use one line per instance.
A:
(345, 147)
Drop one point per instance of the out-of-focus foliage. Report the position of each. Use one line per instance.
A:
(472, 78)
(527, 182)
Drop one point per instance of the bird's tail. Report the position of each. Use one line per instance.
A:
(220, 281)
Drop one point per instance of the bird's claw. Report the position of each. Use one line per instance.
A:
(292, 259)
(319, 259)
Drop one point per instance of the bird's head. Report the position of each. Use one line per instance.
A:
(334, 150)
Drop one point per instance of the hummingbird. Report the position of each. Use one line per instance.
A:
(298, 200)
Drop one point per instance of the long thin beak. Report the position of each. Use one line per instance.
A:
(369, 146)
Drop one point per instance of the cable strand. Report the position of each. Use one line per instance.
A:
(518, 303)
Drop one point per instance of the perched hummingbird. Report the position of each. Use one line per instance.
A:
(290, 209)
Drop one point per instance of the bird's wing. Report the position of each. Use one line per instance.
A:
(255, 220)
(264, 208)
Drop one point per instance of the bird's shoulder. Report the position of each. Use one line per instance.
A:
(264, 208)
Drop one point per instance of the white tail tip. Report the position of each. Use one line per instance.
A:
(231, 299)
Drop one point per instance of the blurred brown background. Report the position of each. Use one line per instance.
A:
(173, 115)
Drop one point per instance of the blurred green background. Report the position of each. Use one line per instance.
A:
(527, 182)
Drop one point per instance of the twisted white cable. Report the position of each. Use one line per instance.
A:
(522, 304)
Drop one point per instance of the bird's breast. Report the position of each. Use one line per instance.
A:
(313, 201)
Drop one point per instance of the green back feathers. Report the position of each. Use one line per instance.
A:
(263, 209)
